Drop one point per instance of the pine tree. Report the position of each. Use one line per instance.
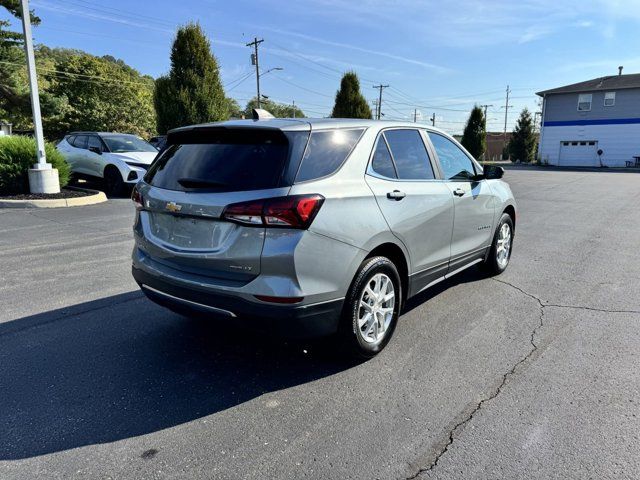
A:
(522, 145)
(192, 92)
(350, 103)
(474, 135)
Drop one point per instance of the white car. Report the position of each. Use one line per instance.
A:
(119, 159)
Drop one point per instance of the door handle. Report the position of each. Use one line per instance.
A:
(458, 192)
(396, 195)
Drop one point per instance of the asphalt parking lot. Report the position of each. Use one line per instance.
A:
(533, 374)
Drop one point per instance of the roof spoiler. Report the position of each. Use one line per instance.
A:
(261, 114)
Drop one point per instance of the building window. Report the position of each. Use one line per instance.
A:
(609, 99)
(584, 102)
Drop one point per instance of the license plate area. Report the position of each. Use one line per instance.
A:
(189, 233)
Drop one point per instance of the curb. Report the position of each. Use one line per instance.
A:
(97, 197)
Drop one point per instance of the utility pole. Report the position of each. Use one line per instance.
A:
(254, 61)
(43, 178)
(433, 119)
(485, 114)
(380, 88)
(415, 115)
(293, 103)
(485, 123)
(506, 113)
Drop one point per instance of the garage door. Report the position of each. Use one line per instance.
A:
(579, 153)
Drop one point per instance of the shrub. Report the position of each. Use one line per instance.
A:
(17, 156)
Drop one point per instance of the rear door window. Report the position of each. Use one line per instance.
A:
(326, 152)
(226, 160)
(382, 163)
(80, 141)
(94, 141)
(409, 154)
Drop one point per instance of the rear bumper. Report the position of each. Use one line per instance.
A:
(314, 320)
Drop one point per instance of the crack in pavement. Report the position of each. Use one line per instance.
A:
(559, 305)
(495, 393)
(542, 305)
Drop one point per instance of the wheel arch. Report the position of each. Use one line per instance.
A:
(511, 211)
(394, 253)
(114, 167)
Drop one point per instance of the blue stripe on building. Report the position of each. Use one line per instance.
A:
(609, 121)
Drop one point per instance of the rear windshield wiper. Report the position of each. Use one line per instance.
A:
(199, 183)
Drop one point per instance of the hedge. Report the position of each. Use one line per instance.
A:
(18, 155)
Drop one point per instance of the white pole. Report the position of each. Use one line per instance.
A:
(33, 81)
(42, 178)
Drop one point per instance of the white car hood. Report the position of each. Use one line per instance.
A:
(137, 157)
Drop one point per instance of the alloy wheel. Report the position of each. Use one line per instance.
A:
(503, 247)
(376, 307)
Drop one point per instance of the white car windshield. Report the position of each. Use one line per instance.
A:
(127, 143)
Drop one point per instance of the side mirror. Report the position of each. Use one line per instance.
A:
(493, 172)
(97, 150)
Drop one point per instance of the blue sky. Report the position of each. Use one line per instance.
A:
(437, 56)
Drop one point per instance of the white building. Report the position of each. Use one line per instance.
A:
(593, 123)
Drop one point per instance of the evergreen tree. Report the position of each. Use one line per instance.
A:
(191, 92)
(474, 135)
(522, 145)
(350, 103)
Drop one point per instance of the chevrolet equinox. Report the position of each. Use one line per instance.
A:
(315, 226)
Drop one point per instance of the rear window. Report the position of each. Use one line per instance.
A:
(227, 160)
(326, 152)
(80, 141)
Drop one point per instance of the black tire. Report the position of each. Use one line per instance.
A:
(352, 338)
(492, 265)
(114, 185)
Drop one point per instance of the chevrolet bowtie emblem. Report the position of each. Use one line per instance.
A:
(173, 207)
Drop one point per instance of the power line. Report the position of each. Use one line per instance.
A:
(303, 88)
(116, 11)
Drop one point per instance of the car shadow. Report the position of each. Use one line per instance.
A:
(97, 184)
(121, 367)
(470, 275)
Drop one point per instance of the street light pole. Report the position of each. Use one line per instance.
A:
(42, 177)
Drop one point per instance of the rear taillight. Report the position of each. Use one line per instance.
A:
(136, 197)
(295, 211)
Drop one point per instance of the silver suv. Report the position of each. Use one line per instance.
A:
(314, 227)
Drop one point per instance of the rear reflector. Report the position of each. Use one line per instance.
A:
(289, 300)
(295, 211)
(136, 197)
